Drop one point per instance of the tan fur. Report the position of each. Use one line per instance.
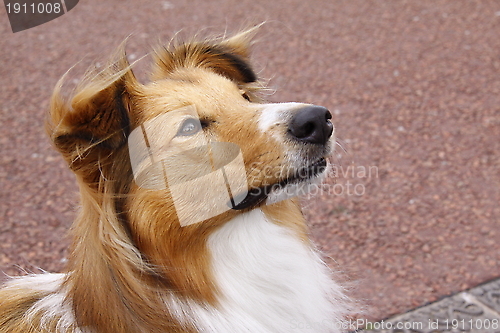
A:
(129, 251)
(14, 304)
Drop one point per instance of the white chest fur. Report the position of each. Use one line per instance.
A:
(270, 281)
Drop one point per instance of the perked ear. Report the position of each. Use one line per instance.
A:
(96, 121)
(227, 57)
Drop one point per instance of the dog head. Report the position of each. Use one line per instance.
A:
(153, 160)
(200, 111)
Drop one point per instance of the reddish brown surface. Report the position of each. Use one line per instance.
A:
(414, 88)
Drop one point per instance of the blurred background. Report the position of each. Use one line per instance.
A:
(414, 89)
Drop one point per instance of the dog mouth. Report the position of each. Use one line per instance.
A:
(257, 195)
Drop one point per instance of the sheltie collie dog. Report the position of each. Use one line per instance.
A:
(189, 220)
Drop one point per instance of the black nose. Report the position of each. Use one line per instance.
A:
(311, 124)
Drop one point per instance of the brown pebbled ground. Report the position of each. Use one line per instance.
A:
(414, 87)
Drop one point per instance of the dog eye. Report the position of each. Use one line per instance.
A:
(245, 96)
(189, 127)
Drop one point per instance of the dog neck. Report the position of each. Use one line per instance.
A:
(270, 280)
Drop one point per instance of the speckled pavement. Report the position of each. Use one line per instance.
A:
(476, 311)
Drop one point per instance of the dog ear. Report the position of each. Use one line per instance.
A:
(227, 57)
(96, 122)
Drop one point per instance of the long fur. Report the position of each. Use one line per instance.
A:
(133, 267)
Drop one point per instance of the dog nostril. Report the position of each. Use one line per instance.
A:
(311, 124)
